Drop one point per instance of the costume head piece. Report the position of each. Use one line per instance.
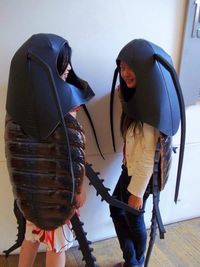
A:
(155, 100)
(36, 93)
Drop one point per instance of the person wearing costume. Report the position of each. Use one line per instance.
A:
(43, 141)
(150, 112)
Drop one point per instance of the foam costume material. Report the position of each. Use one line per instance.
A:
(158, 101)
(34, 81)
(45, 144)
(155, 101)
(37, 100)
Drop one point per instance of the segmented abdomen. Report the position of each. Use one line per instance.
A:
(40, 172)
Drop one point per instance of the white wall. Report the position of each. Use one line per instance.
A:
(97, 30)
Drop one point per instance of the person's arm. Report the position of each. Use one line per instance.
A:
(80, 198)
(144, 164)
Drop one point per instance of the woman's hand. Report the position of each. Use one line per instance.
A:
(135, 202)
(80, 198)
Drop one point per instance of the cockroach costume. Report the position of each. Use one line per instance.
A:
(45, 144)
(156, 100)
(39, 156)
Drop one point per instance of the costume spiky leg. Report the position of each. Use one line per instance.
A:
(84, 244)
(156, 219)
(21, 230)
(103, 191)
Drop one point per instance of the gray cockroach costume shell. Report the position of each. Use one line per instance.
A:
(44, 143)
(155, 101)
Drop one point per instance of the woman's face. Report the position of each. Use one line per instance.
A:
(66, 73)
(128, 75)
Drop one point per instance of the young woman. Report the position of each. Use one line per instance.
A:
(152, 109)
(59, 240)
(139, 149)
(45, 146)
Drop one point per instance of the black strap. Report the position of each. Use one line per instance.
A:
(156, 216)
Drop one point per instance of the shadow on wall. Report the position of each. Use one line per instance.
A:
(100, 114)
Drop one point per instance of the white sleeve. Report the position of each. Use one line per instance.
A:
(145, 162)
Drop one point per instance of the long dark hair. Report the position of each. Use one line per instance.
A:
(64, 58)
(126, 122)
